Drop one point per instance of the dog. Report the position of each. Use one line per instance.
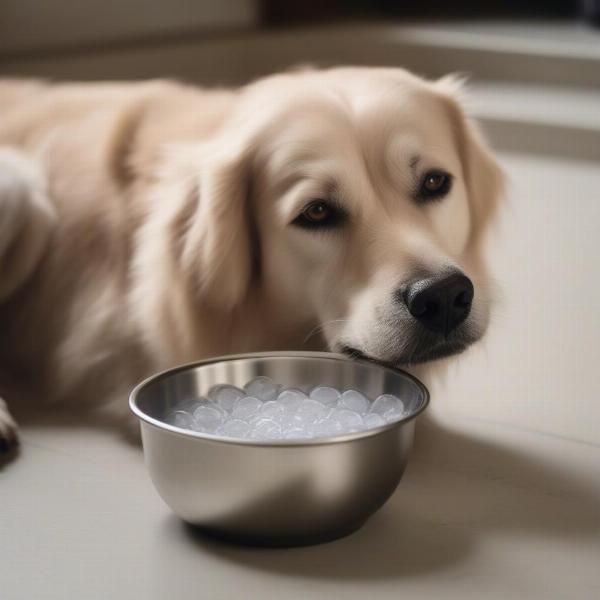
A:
(144, 225)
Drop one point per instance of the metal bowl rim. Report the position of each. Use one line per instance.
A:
(270, 443)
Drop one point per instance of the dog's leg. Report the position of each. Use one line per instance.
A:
(27, 218)
(8, 430)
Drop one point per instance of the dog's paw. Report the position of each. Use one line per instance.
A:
(9, 438)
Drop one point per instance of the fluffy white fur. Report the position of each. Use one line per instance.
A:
(145, 225)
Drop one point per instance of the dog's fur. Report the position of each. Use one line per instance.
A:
(144, 225)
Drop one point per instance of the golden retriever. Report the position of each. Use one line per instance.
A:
(144, 225)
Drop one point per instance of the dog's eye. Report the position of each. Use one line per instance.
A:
(320, 214)
(434, 184)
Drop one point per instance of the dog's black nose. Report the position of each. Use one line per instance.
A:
(440, 305)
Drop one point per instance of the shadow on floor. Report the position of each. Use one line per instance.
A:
(457, 491)
(8, 456)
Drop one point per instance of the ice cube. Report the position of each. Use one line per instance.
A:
(290, 399)
(265, 429)
(297, 433)
(355, 401)
(311, 411)
(327, 428)
(201, 402)
(291, 421)
(180, 418)
(234, 428)
(271, 410)
(246, 407)
(190, 404)
(263, 388)
(373, 420)
(390, 407)
(225, 395)
(325, 395)
(207, 419)
(348, 419)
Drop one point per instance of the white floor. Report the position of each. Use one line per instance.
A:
(501, 499)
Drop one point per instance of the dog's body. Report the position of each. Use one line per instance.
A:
(145, 225)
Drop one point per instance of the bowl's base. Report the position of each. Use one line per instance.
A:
(275, 541)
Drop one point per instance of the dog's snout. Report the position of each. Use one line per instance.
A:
(440, 305)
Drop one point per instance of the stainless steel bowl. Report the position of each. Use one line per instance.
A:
(279, 492)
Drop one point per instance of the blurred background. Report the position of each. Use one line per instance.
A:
(511, 50)
(534, 69)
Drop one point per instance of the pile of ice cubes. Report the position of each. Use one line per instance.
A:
(264, 410)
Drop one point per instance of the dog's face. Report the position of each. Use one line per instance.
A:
(364, 196)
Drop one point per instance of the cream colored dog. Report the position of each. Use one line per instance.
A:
(149, 224)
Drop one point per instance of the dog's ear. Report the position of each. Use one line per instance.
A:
(217, 242)
(485, 180)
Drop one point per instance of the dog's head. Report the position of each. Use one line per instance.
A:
(356, 199)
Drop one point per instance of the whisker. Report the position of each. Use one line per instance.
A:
(321, 327)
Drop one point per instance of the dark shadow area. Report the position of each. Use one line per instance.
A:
(275, 12)
(387, 546)
(8, 456)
